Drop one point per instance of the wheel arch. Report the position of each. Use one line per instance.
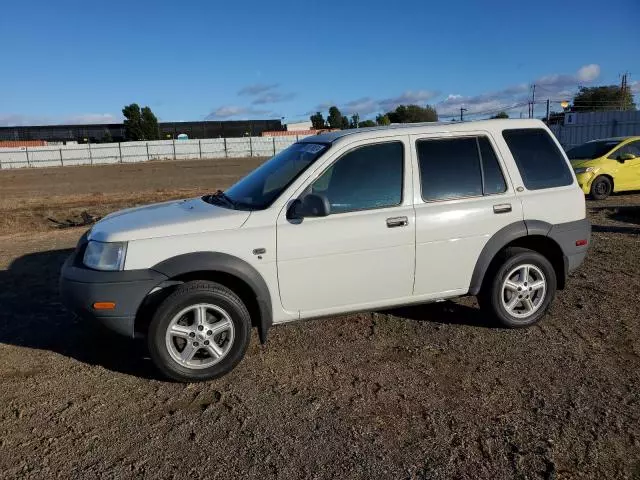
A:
(607, 175)
(232, 272)
(531, 234)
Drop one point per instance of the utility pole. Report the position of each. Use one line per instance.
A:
(548, 111)
(462, 110)
(533, 100)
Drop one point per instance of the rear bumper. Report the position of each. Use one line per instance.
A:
(566, 235)
(81, 287)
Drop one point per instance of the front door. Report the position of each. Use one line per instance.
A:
(363, 252)
(628, 176)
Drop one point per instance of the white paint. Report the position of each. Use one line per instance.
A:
(350, 261)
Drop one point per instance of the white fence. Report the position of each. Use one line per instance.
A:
(133, 152)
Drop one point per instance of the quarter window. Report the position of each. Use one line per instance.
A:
(458, 167)
(365, 178)
(538, 158)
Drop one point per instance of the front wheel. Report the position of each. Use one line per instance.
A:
(520, 289)
(199, 332)
(601, 188)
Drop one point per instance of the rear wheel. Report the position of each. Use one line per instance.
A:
(520, 289)
(199, 332)
(601, 188)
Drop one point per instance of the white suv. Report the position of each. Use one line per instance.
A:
(340, 222)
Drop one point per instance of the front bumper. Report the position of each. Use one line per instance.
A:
(81, 287)
(584, 180)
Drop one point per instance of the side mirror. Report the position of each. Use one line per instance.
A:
(626, 156)
(311, 205)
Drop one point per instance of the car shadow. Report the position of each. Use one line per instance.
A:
(32, 316)
(616, 229)
(447, 312)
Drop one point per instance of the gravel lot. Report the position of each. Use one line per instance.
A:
(427, 392)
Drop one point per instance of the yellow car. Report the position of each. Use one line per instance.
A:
(607, 165)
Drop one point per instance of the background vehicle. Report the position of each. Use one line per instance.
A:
(340, 222)
(607, 165)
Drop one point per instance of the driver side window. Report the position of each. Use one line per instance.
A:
(633, 148)
(365, 178)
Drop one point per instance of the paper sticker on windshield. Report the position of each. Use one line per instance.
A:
(312, 148)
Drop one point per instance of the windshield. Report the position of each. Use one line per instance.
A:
(261, 187)
(591, 150)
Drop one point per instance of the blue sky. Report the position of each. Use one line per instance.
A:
(82, 61)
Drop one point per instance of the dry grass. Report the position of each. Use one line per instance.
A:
(31, 196)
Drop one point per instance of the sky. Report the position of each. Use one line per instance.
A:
(81, 62)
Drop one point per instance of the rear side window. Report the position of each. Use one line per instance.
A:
(458, 167)
(538, 158)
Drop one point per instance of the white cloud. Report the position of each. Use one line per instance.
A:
(588, 73)
(273, 97)
(407, 98)
(228, 111)
(257, 88)
(554, 86)
(17, 119)
(361, 106)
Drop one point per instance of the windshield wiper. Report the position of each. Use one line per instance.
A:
(221, 197)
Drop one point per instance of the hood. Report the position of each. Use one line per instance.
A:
(178, 217)
(584, 163)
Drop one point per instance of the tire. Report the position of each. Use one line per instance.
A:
(496, 296)
(188, 354)
(601, 188)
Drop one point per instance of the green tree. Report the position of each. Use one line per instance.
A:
(345, 123)
(132, 122)
(335, 117)
(149, 124)
(317, 121)
(383, 120)
(413, 114)
(355, 120)
(367, 123)
(607, 97)
(501, 115)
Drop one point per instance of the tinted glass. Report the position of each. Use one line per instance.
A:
(493, 178)
(367, 177)
(540, 162)
(262, 186)
(633, 148)
(449, 168)
(591, 150)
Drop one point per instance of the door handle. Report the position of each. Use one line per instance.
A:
(502, 208)
(393, 222)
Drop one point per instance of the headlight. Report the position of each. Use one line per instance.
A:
(105, 256)
(583, 170)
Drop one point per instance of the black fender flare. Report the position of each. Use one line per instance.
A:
(508, 234)
(496, 243)
(225, 263)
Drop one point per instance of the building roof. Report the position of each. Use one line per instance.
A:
(427, 127)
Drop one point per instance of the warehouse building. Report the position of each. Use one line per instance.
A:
(114, 132)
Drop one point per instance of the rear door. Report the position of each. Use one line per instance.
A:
(462, 197)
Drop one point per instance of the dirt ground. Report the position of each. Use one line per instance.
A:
(430, 392)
